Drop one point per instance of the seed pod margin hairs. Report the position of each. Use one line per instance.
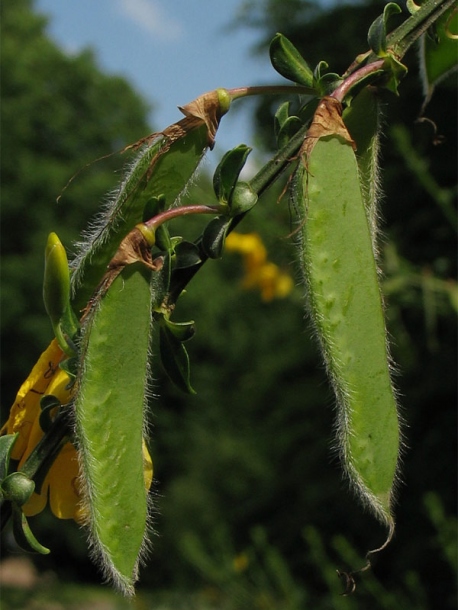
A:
(363, 121)
(337, 258)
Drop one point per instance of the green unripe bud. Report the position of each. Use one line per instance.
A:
(148, 232)
(224, 100)
(56, 284)
(243, 198)
(18, 488)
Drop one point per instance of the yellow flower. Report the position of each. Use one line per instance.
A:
(250, 246)
(260, 273)
(61, 484)
(240, 562)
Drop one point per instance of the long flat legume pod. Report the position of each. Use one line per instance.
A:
(109, 422)
(338, 262)
(164, 166)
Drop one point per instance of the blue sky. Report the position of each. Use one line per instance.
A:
(170, 51)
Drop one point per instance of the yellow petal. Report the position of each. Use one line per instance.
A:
(26, 407)
(63, 476)
(249, 245)
(284, 285)
(37, 502)
(147, 466)
(57, 387)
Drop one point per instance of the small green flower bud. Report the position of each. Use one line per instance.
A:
(17, 487)
(56, 284)
(224, 100)
(149, 233)
(243, 198)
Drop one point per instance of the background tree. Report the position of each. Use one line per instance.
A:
(58, 113)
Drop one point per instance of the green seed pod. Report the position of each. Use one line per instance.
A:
(337, 259)
(164, 166)
(110, 422)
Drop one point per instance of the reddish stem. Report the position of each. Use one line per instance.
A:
(184, 211)
(239, 92)
(341, 91)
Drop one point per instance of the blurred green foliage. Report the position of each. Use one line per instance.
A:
(252, 511)
(58, 113)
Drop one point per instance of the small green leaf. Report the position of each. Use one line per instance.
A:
(214, 235)
(153, 207)
(186, 255)
(376, 36)
(327, 82)
(175, 359)
(321, 65)
(6, 446)
(288, 129)
(183, 331)
(288, 62)
(47, 404)
(228, 171)
(23, 534)
(281, 116)
(395, 71)
(17, 487)
(163, 240)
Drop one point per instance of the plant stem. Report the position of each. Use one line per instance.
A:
(45, 452)
(259, 183)
(399, 41)
(184, 210)
(341, 91)
(241, 92)
(41, 458)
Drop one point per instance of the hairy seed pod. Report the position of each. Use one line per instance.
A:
(165, 165)
(109, 409)
(338, 262)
